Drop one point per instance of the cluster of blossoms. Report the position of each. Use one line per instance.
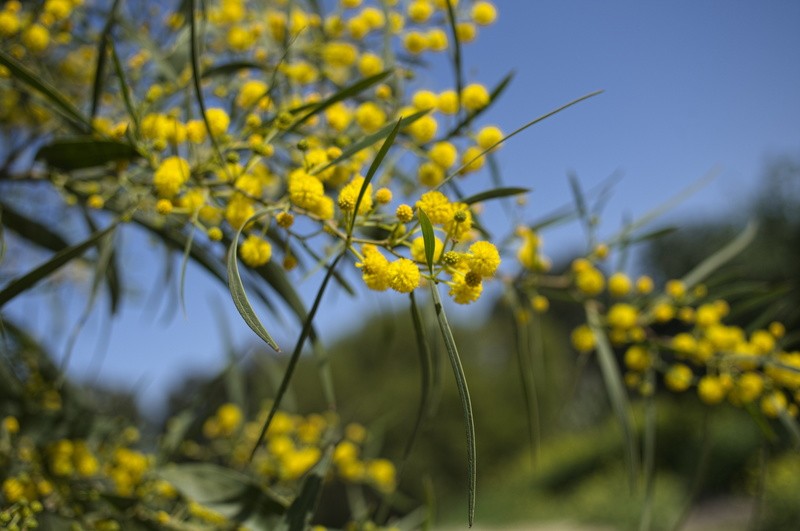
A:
(270, 154)
(676, 332)
(71, 477)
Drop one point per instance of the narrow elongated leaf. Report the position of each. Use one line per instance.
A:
(238, 294)
(78, 153)
(373, 168)
(348, 92)
(50, 93)
(493, 97)
(580, 199)
(102, 58)
(369, 140)
(232, 68)
(466, 402)
(428, 237)
(616, 391)
(719, 258)
(494, 194)
(30, 279)
(298, 516)
(31, 229)
(514, 133)
(124, 87)
(298, 348)
(458, 68)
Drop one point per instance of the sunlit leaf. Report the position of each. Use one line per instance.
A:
(494, 194)
(428, 237)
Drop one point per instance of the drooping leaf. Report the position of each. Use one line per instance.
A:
(428, 238)
(373, 168)
(615, 390)
(298, 515)
(369, 140)
(494, 194)
(30, 279)
(232, 68)
(79, 153)
(65, 107)
(237, 291)
(466, 402)
(347, 92)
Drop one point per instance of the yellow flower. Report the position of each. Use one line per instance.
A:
(418, 249)
(622, 316)
(484, 13)
(483, 258)
(590, 281)
(305, 190)
(678, 378)
(404, 275)
(415, 42)
(171, 175)
(436, 206)
(619, 285)
(430, 174)
(444, 154)
(36, 38)
(218, 121)
(349, 194)
(404, 213)
(447, 103)
(474, 97)
(637, 358)
(419, 11)
(489, 136)
(464, 291)
(374, 268)
(382, 474)
(423, 129)
(711, 389)
(255, 251)
(370, 64)
(472, 159)
(583, 339)
(370, 117)
(644, 285)
(339, 54)
(253, 92)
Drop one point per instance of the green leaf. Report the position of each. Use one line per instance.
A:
(352, 90)
(27, 281)
(102, 58)
(298, 348)
(516, 132)
(50, 93)
(231, 68)
(79, 153)
(368, 140)
(722, 256)
(373, 168)
(458, 67)
(226, 491)
(494, 194)
(298, 516)
(493, 97)
(238, 294)
(466, 402)
(124, 87)
(616, 390)
(428, 237)
(30, 229)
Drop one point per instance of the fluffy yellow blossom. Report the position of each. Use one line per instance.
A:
(678, 377)
(305, 190)
(622, 316)
(36, 38)
(374, 268)
(415, 42)
(370, 64)
(255, 251)
(349, 194)
(370, 117)
(218, 121)
(404, 275)
(251, 93)
(583, 339)
(430, 174)
(418, 249)
(472, 159)
(637, 358)
(404, 213)
(474, 97)
(444, 154)
(464, 291)
(419, 11)
(619, 285)
(489, 136)
(436, 206)
(484, 13)
(171, 175)
(447, 102)
(339, 53)
(590, 281)
(483, 258)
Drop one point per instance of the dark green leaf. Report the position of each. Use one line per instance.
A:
(298, 516)
(368, 140)
(493, 194)
(238, 294)
(373, 168)
(102, 58)
(232, 68)
(27, 281)
(466, 402)
(50, 93)
(78, 153)
(428, 238)
(347, 92)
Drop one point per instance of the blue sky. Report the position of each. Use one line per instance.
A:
(690, 87)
